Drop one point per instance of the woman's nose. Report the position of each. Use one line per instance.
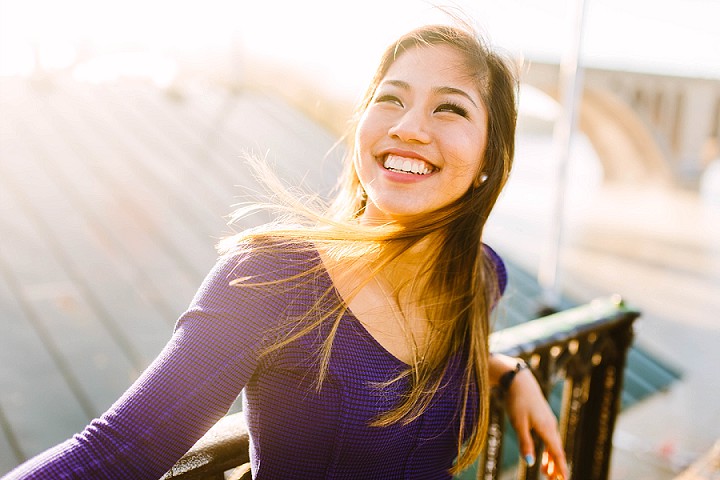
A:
(411, 127)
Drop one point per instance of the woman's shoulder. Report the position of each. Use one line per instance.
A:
(255, 275)
(269, 259)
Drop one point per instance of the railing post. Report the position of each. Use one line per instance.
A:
(593, 437)
(492, 457)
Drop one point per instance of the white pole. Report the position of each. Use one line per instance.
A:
(570, 82)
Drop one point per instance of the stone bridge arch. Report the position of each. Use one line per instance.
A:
(626, 148)
(645, 126)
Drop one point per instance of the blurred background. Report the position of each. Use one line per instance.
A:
(123, 127)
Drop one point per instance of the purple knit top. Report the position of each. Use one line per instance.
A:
(296, 432)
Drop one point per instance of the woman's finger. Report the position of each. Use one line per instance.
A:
(525, 443)
(550, 435)
(557, 457)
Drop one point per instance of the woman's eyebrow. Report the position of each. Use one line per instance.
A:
(396, 83)
(454, 91)
(437, 90)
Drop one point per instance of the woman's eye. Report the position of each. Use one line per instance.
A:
(453, 108)
(389, 99)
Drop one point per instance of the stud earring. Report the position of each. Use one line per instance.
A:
(482, 178)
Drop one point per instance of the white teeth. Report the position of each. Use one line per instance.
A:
(407, 165)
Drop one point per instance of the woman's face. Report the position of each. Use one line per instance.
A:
(421, 141)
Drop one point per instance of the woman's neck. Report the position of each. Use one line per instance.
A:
(387, 298)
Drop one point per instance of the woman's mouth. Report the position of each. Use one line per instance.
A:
(412, 166)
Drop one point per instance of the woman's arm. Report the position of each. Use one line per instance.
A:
(528, 411)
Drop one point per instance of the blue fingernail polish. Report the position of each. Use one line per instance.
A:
(530, 460)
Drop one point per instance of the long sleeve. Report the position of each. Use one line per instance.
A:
(189, 386)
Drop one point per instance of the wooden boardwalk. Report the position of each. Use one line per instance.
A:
(111, 200)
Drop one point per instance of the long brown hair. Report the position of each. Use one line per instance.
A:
(457, 285)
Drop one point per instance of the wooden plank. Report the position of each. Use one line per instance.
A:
(157, 151)
(129, 226)
(141, 162)
(10, 452)
(102, 274)
(39, 399)
(137, 213)
(241, 122)
(40, 404)
(64, 259)
(298, 157)
(154, 118)
(49, 367)
(200, 125)
(196, 133)
(69, 316)
(98, 139)
(222, 127)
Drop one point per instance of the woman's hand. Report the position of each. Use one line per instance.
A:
(529, 411)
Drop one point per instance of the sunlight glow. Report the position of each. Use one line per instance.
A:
(106, 68)
(339, 42)
(42, 35)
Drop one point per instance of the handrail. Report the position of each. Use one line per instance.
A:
(224, 447)
(585, 347)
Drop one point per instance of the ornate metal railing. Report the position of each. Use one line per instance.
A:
(584, 348)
